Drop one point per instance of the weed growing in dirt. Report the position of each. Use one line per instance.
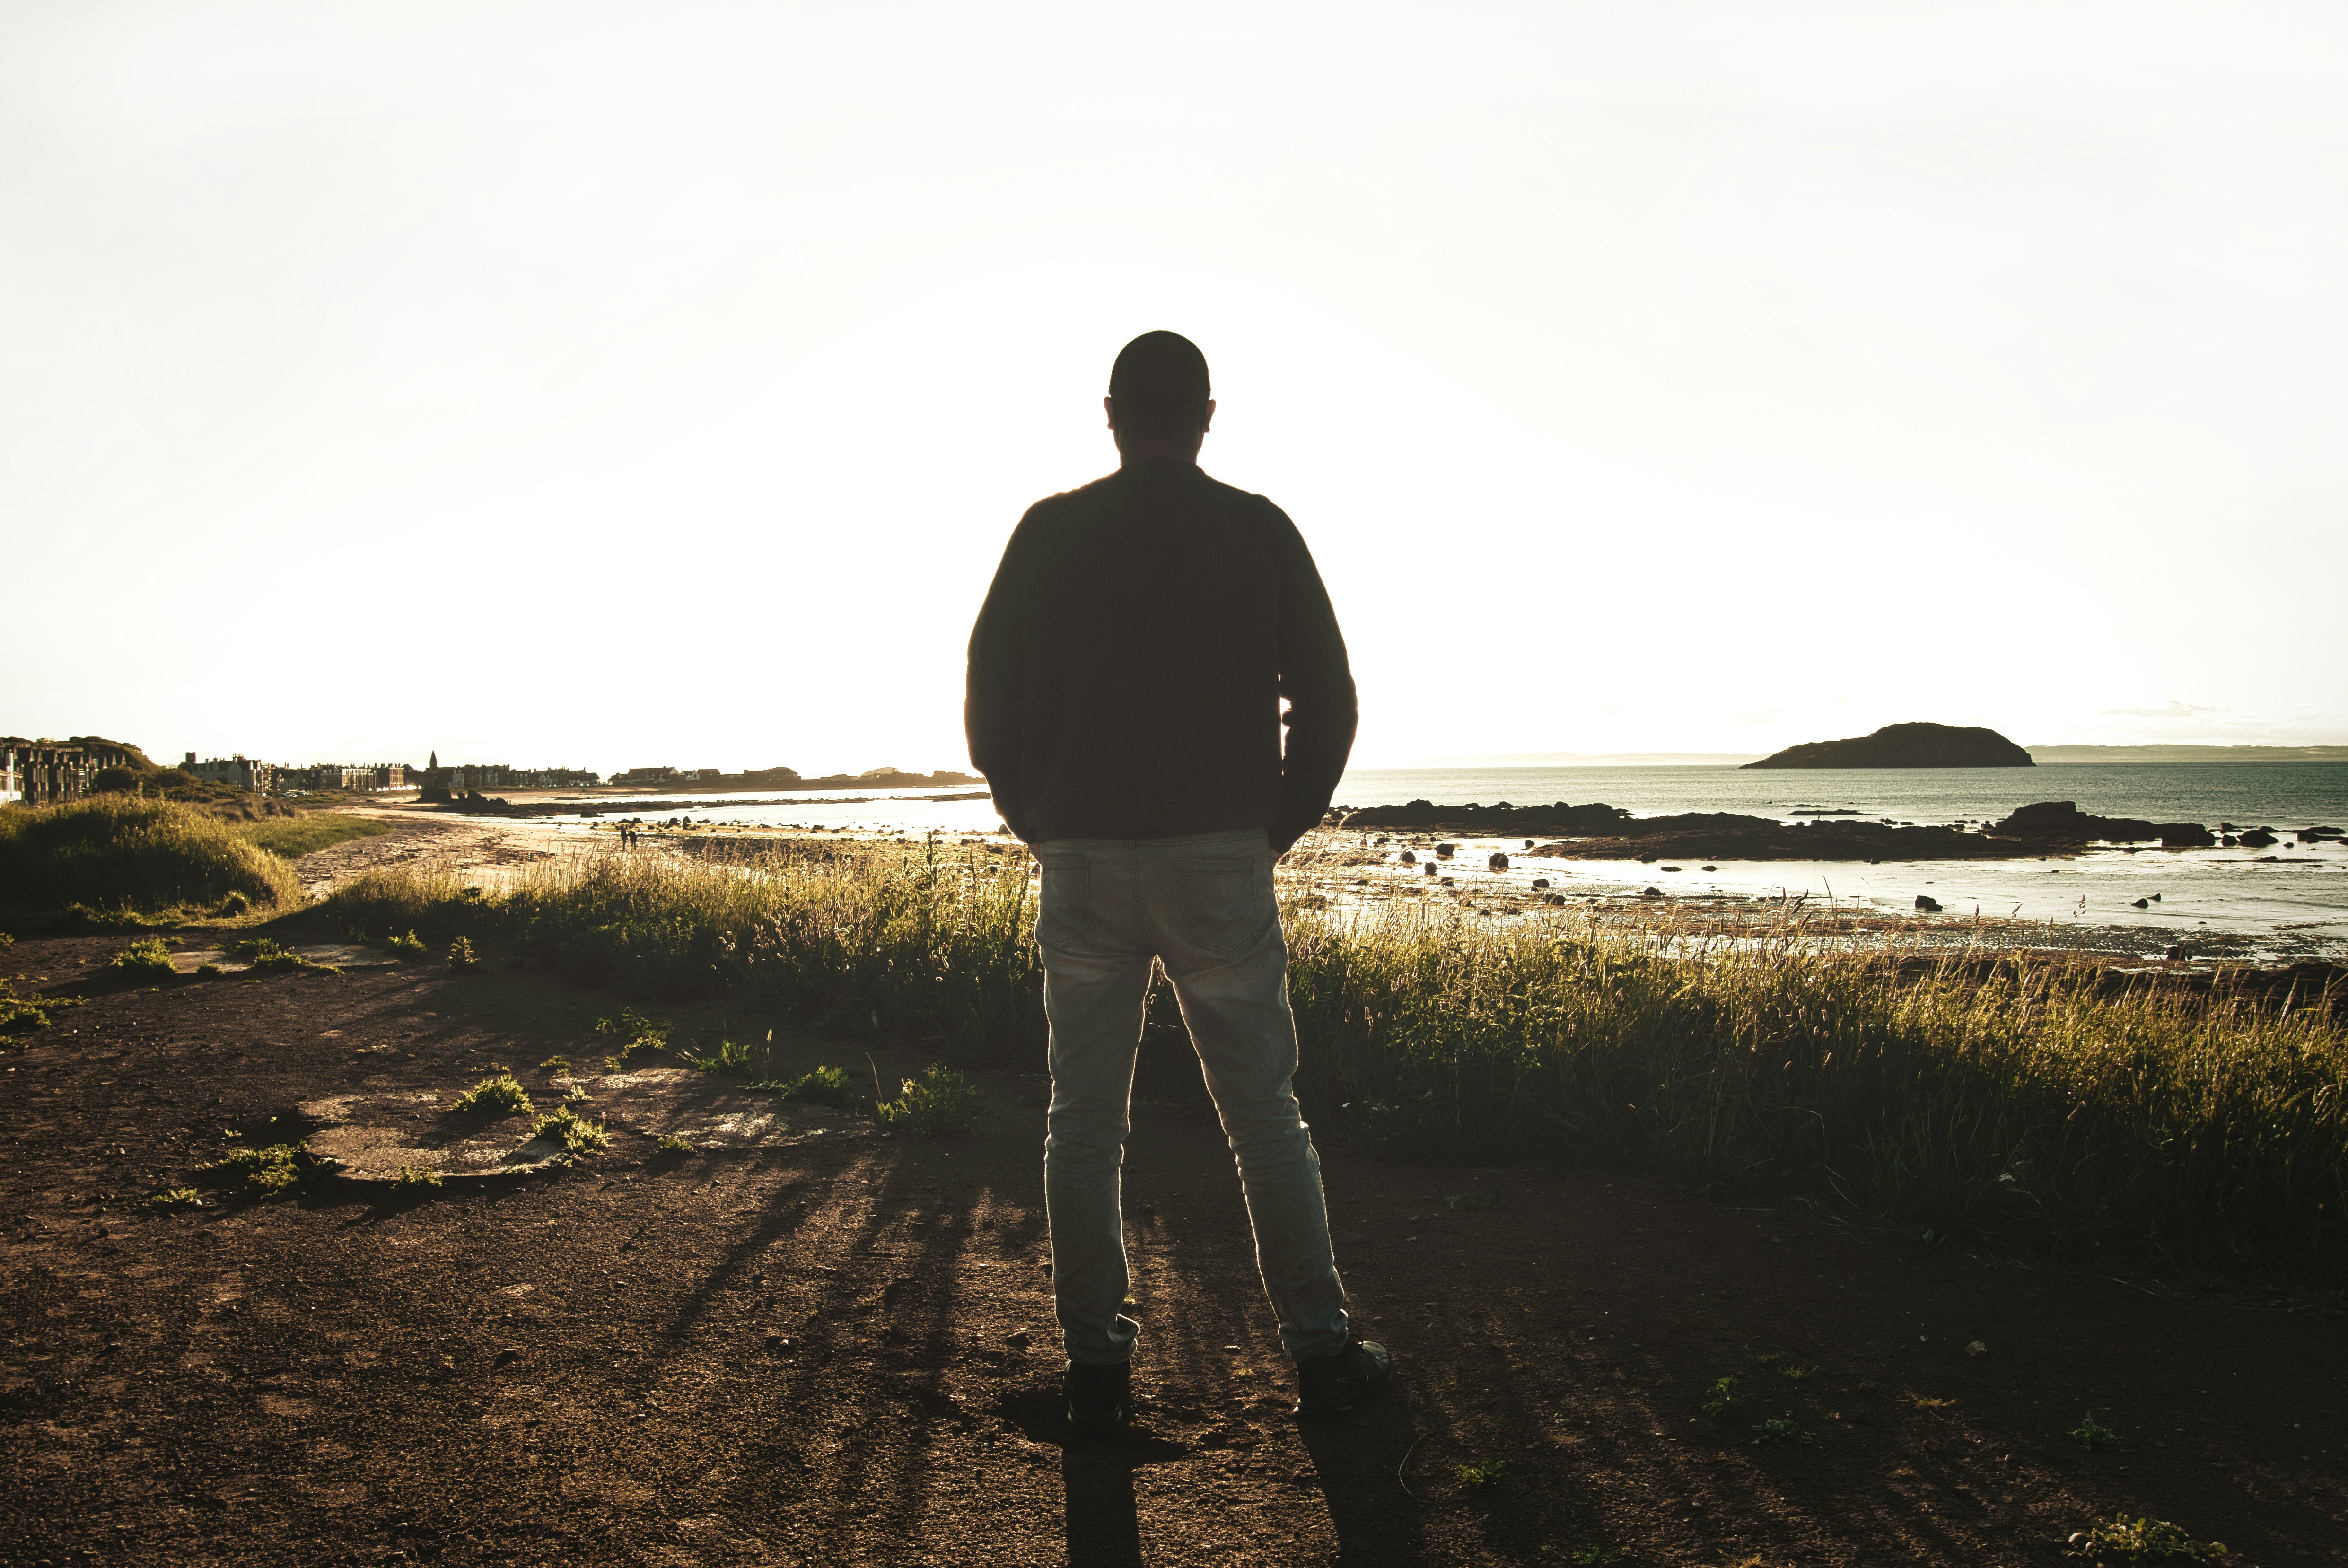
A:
(2093, 1435)
(555, 1065)
(824, 1086)
(267, 1172)
(501, 1096)
(209, 971)
(1594, 1557)
(1927, 1402)
(635, 1033)
(670, 1143)
(144, 958)
(1478, 1197)
(730, 1059)
(940, 1102)
(462, 955)
(1778, 1430)
(408, 947)
(266, 956)
(178, 1198)
(1481, 1475)
(1723, 1399)
(575, 1132)
(2129, 1539)
(415, 1179)
(19, 1014)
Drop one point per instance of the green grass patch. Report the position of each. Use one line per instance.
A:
(1481, 1475)
(2034, 1106)
(118, 856)
(670, 1143)
(730, 1059)
(177, 1197)
(501, 1096)
(267, 958)
(415, 1179)
(291, 838)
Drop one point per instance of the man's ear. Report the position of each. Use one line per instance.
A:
(1108, 407)
(1207, 423)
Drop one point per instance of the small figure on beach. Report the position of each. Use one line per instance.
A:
(1126, 679)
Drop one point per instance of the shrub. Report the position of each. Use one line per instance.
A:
(1481, 1475)
(501, 1096)
(2093, 1435)
(940, 1101)
(150, 957)
(1722, 1400)
(119, 853)
(408, 947)
(1778, 1430)
(670, 1143)
(460, 955)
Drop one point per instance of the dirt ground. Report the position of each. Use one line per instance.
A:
(838, 1347)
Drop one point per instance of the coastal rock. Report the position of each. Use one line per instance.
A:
(1499, 821)
(2062, 822)
(1926, 903)
(2257, 838)
(1917, 745)
(1499, 863)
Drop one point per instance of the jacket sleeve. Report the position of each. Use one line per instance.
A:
(1317, 683)
(995, 693)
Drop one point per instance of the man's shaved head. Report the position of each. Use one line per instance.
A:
(1158, 386)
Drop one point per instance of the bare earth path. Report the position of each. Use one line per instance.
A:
(837, 1348)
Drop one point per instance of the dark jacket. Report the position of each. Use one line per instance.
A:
(1127, 670)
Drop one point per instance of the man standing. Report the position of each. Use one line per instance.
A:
(1126, 679)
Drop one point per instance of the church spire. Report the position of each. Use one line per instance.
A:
(433, 766)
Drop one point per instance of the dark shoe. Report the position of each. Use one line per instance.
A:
(1097, 1395)
(1331, 1386)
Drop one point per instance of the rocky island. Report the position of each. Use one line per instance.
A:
(1907, 745)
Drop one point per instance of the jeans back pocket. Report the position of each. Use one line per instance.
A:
(1228, 905)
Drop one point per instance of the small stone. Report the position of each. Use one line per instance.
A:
(1018, 1339)
(1926, 903)
(1977, 1348)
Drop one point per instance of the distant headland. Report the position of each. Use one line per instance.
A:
(1907, 745)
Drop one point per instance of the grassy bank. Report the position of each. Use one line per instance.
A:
(2028, 1104)
(291, 838)
(116, 854)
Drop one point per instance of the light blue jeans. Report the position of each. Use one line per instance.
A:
(1203, 907)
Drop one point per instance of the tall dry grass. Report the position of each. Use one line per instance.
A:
(119, 854)
(2019, 1101)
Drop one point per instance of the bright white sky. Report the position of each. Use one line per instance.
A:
(610, 386)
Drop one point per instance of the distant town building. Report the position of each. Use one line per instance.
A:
(241, 771)
(369, 779)
(638, 777)
(461, 777)
(44, 772)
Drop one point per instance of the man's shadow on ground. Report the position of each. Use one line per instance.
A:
(1096, 1469)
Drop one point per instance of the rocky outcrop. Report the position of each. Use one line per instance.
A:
(1497, 820)
(1907, 745)
(2062, 822)
(1721, 835)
